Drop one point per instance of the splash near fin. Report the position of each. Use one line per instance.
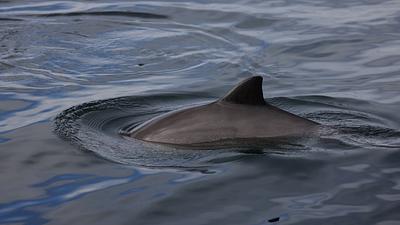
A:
(248, 92)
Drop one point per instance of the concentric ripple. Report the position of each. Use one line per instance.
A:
(97, 126)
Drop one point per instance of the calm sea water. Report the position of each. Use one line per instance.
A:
(74, 73)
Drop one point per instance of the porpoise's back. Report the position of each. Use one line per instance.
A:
(241, 114)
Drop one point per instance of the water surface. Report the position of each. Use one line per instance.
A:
(74, 73)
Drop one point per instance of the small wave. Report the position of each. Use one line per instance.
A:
(10, 19)
(107, 13)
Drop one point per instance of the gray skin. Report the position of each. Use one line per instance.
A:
(242, 114)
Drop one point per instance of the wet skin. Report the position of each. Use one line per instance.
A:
(241, 114)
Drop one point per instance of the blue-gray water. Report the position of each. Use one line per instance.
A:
(74, 73)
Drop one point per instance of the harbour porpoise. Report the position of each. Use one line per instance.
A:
(242, 114)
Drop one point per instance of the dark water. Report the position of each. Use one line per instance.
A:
(74, 73)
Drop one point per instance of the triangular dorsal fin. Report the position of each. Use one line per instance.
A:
(247, 92)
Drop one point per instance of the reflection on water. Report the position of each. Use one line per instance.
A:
(68, 187)
(335, 62)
